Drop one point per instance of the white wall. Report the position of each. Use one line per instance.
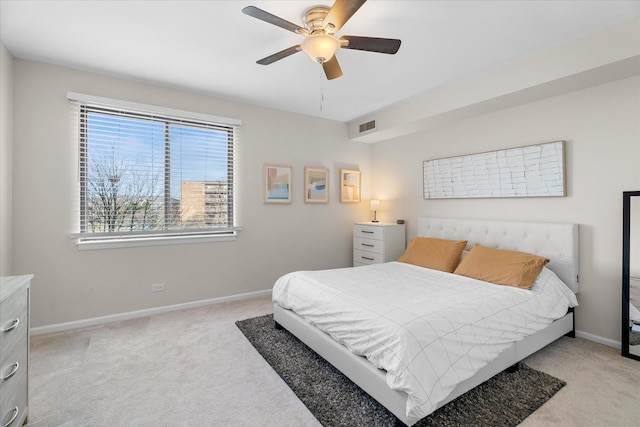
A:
(602, 128)
(276, 239)
(6, 157)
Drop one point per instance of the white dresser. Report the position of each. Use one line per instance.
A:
(377, 242)
(14, 349)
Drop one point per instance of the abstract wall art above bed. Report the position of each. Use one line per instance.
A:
(531, 171)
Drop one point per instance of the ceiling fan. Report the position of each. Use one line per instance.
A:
(320, 23)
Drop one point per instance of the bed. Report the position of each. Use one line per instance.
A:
(556, 241)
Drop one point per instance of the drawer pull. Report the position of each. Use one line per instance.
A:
(367, 245)
(367, 258)
(13, 418)
(14, 324)
(366, 232)
(13, 371)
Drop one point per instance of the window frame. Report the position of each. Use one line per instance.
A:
(167, 116)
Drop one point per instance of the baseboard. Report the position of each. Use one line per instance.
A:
(95, 321)
(599, 339)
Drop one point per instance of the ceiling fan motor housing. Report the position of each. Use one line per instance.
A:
(313, 20)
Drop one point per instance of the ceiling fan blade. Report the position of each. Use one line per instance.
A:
(280, 55)
(371, 44)
(341, 12)
(332, 69)
(272, 19)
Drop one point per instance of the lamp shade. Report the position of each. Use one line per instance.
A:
(320, 47)
(374, 205)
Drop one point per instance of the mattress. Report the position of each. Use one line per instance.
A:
(428, 330)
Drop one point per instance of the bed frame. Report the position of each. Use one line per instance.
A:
(556, 241)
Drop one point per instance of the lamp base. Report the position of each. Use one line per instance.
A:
(375, 220)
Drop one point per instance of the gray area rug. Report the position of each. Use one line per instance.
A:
(504, 400)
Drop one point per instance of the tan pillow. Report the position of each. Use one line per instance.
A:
(437, 254)
(501, 267)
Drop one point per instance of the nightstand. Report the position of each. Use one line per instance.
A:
(377, 242)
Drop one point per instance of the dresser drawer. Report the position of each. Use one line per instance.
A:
(13, 361)
(367, 257)
(368, 231)
(14, 347)
(13, 324)
(15, 305)
(368, 245)
(14, 395)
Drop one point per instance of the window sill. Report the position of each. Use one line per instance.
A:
(90, 245)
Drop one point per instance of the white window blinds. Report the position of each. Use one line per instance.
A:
(146, 171)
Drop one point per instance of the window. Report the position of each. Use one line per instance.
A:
(147, 176)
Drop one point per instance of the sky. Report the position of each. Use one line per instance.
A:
(134, 149)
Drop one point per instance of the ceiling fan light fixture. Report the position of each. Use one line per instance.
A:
(319, 25)
(320, 47)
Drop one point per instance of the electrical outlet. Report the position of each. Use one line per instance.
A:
(157, 287)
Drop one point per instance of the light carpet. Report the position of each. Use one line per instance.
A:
(195, 368)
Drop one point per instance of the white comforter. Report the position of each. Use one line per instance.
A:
(428, 329)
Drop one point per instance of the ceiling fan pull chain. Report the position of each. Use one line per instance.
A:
(321, 88)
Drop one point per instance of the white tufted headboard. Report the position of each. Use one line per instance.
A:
(556, 241)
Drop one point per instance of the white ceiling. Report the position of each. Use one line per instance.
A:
(211, 46)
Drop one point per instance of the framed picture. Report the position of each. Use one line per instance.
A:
(277, 184)
(349, 186)
(316, 185)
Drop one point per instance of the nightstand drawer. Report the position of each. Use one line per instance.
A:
(367, 257)
(368, 245)
(368, 231)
